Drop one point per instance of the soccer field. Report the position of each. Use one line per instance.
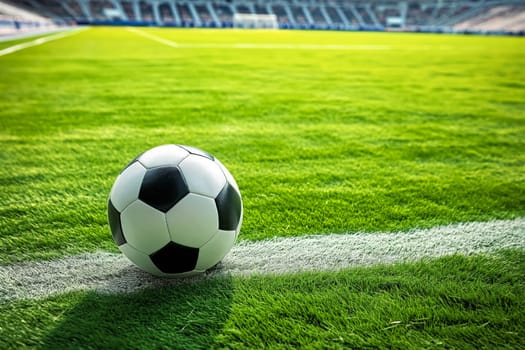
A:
(328, 134)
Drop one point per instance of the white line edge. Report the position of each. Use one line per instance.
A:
(113, 273)
(40, 41)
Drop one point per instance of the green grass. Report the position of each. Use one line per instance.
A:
(428, 132)
(452, 302)
(425, 132)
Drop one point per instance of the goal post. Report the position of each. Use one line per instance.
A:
(254, 21)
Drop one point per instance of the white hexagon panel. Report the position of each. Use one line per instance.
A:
(126, 188)
(215, 249)
(162, 156)
(140, 259)
(193, 220)
(228, 175)
(144, 227)
(203, 175)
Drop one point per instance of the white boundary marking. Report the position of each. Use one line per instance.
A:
(256, 45)
(113, 273)
(32, 33)
(39, 41)
(153, 37)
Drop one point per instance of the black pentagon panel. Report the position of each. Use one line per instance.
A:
(229, 206)
(115, 225)
(163, 187)
(197, 151)
(175, 258)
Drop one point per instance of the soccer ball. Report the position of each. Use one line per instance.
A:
(175, 211)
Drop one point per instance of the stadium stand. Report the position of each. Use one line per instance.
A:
(506, 18)
(468, 16)
(16, 20)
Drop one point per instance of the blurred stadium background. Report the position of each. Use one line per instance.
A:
(447, 16)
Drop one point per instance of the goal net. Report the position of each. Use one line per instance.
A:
(249, 20)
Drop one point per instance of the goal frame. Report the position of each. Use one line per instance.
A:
(255, 21)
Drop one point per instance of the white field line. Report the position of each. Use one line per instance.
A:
(153, 37)
(113, 273)
(32, 33)
(39, 41)
(256, 45)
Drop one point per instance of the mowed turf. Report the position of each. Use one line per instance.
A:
(377, 132)
(395, 132)
(450, 303)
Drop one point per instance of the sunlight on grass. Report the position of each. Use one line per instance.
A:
(427, 131)
(448, 302)
(319, 141)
